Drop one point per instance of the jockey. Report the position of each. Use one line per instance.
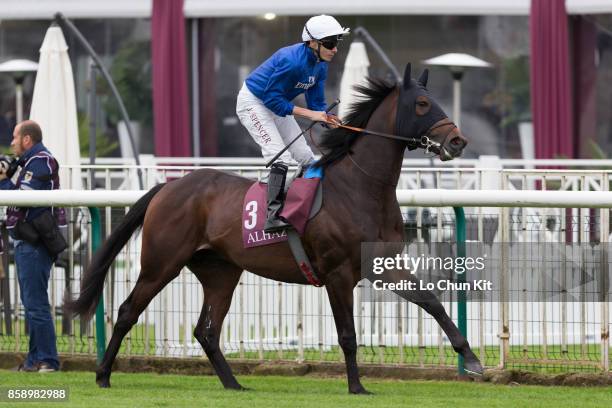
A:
(264, 103)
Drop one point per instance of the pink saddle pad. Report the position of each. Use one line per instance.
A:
(296, 210)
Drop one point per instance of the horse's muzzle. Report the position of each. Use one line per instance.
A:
(453, 147)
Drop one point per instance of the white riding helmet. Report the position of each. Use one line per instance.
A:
(319, 27)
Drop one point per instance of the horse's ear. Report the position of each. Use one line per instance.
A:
(407, 76)
(423, 78)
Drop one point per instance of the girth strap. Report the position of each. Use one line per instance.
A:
(301, 258)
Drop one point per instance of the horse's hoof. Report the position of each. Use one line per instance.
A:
(473, 368)
(237, 387)
(102, 380)
(360, 391)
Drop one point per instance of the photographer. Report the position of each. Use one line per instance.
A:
(37, 244)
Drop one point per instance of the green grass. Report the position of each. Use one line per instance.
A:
(430, 356)
(414, 356)
(82, 343)
(152, 390)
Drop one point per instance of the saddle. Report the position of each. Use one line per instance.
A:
(303, 201)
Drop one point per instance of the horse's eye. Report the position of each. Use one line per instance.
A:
(422, 107)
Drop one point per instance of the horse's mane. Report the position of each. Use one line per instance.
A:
(336, 143)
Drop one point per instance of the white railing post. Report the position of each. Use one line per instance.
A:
(300, 324)
(241, 316)
(504, 325)
(604, 280)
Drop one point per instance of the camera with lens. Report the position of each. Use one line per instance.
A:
(8, 165)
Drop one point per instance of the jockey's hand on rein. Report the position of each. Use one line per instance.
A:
(332, 121)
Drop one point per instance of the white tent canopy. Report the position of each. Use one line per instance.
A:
(36, 9)
(54, 104)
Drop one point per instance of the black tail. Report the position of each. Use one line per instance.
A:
(93, 281)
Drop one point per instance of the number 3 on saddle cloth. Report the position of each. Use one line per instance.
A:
(303, 201)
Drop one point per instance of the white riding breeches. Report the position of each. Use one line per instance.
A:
(270, 131)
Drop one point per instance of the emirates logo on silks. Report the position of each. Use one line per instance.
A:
(310, 84)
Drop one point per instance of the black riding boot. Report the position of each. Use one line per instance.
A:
(276, 198)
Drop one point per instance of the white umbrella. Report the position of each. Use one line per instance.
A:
(54, 105)
(355, 72)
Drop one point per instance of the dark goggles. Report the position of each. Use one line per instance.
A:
(330, 42)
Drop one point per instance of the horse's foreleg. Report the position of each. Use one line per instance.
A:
(340, 292)
(460, 344)
(219, 280)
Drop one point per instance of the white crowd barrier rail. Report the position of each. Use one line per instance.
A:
(271, 320)
(416, 198)
(483, 173)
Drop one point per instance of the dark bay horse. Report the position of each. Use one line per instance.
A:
(196, 222)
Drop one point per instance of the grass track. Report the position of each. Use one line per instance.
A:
(152, 390)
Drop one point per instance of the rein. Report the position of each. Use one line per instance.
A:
(425, 142)
(364, 171)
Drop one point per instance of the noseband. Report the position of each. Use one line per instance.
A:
(428, 144)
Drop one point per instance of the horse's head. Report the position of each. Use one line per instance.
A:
(422, 121)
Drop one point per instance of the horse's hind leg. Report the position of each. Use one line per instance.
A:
(460, 344)
(219, 279)
(144, 291)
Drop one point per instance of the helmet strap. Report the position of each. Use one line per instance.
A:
(318, 52)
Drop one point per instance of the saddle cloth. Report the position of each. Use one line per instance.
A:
(303, 201)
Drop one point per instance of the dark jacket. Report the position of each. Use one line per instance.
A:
(38, 170)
